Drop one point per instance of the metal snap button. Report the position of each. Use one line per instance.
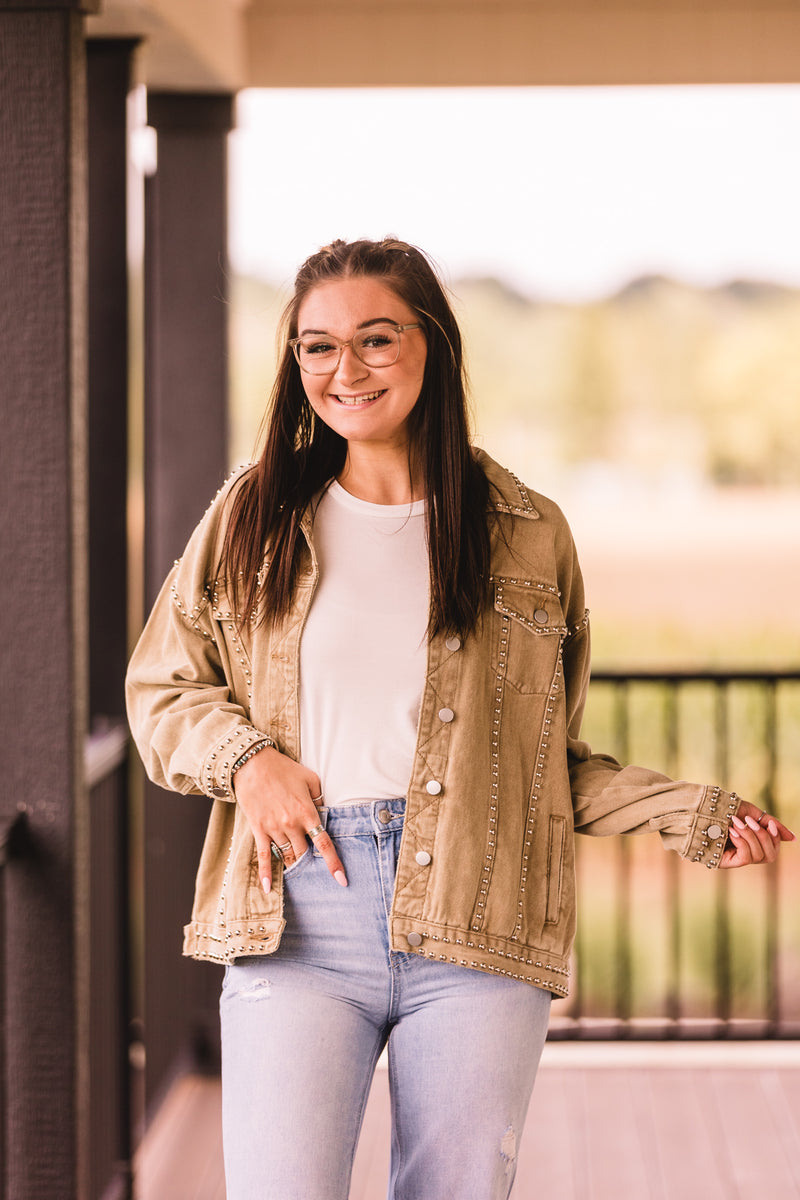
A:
(414, 939)
(219, 793)
(433, 787)
(453, 643)
(384, 816)
(423, 858)
(541, 616)
(446, 715)
(714, 831)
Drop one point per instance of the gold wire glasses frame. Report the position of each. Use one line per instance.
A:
(375, 346)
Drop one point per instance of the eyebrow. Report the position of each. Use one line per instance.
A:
(363, 325)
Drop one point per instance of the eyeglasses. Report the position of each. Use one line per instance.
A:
(377, 346)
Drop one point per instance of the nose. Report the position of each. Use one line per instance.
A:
(350, 368)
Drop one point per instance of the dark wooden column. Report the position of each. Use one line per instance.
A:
(43, 699)
(186, 388)
(110, 66)
(110, 70)
(186, 317)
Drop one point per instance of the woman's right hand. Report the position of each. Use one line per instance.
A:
(277, 796)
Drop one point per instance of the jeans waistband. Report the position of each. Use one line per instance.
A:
(366, 817)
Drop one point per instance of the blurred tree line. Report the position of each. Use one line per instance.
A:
(661, 378)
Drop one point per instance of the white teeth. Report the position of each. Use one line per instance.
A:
(351, 401)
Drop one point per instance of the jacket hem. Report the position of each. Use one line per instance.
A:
(243, 939)
(529, 964)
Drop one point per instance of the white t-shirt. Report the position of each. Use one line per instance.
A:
(363, 652)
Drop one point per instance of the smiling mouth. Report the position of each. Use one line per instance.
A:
(355, 401)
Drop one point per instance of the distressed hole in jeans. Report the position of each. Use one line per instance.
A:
(508, 1148)
(259, 989)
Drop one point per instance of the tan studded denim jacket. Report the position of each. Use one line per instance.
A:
(500, 777)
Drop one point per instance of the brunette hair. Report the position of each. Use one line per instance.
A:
(302, 454)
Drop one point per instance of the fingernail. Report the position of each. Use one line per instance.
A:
(773, 828)
(734, 833)
(266, 884)
(738, 822)
(340, 878)
(754, 825)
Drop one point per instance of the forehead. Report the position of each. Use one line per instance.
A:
(343, 304)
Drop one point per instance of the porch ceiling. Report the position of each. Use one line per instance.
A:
(224, 45)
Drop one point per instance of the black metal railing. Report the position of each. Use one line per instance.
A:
(665, 949)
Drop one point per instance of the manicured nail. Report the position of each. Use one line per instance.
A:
(773, 828)
(738, 822)
(754, 825)
(734, 833)
(340, 878)
(266, 884)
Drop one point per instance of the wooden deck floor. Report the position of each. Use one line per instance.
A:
(608, 1121)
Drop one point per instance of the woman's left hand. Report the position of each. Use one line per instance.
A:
(754, 837)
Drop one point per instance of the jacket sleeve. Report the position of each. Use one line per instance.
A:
(188, 726)
(607, 798)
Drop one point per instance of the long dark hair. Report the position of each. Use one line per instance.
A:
(301, 453)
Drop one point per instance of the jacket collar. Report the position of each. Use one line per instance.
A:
(510, 495)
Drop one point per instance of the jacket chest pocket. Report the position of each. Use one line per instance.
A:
(527, 632)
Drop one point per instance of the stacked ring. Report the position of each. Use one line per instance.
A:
(316, 831)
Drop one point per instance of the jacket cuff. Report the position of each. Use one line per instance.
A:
(710, 827)
(216, 778)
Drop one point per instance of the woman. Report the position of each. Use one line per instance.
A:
(379, 613)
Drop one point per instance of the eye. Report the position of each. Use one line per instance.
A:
(376, 340)
(317, 347)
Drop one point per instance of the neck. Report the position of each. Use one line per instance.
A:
(381, 478)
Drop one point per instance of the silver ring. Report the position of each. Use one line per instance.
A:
(316, 831)
(316, 799)
(763, 813)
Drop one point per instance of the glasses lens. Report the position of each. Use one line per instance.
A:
(378, 346)
(317, 355)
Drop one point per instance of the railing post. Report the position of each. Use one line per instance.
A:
(722, 919)
(624, 980)
(672, 1000)
(773, 878)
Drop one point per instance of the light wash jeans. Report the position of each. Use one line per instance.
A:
(302, 1030)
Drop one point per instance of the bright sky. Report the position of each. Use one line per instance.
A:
(564, 193)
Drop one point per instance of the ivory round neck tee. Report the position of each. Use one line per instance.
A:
(363, 652)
